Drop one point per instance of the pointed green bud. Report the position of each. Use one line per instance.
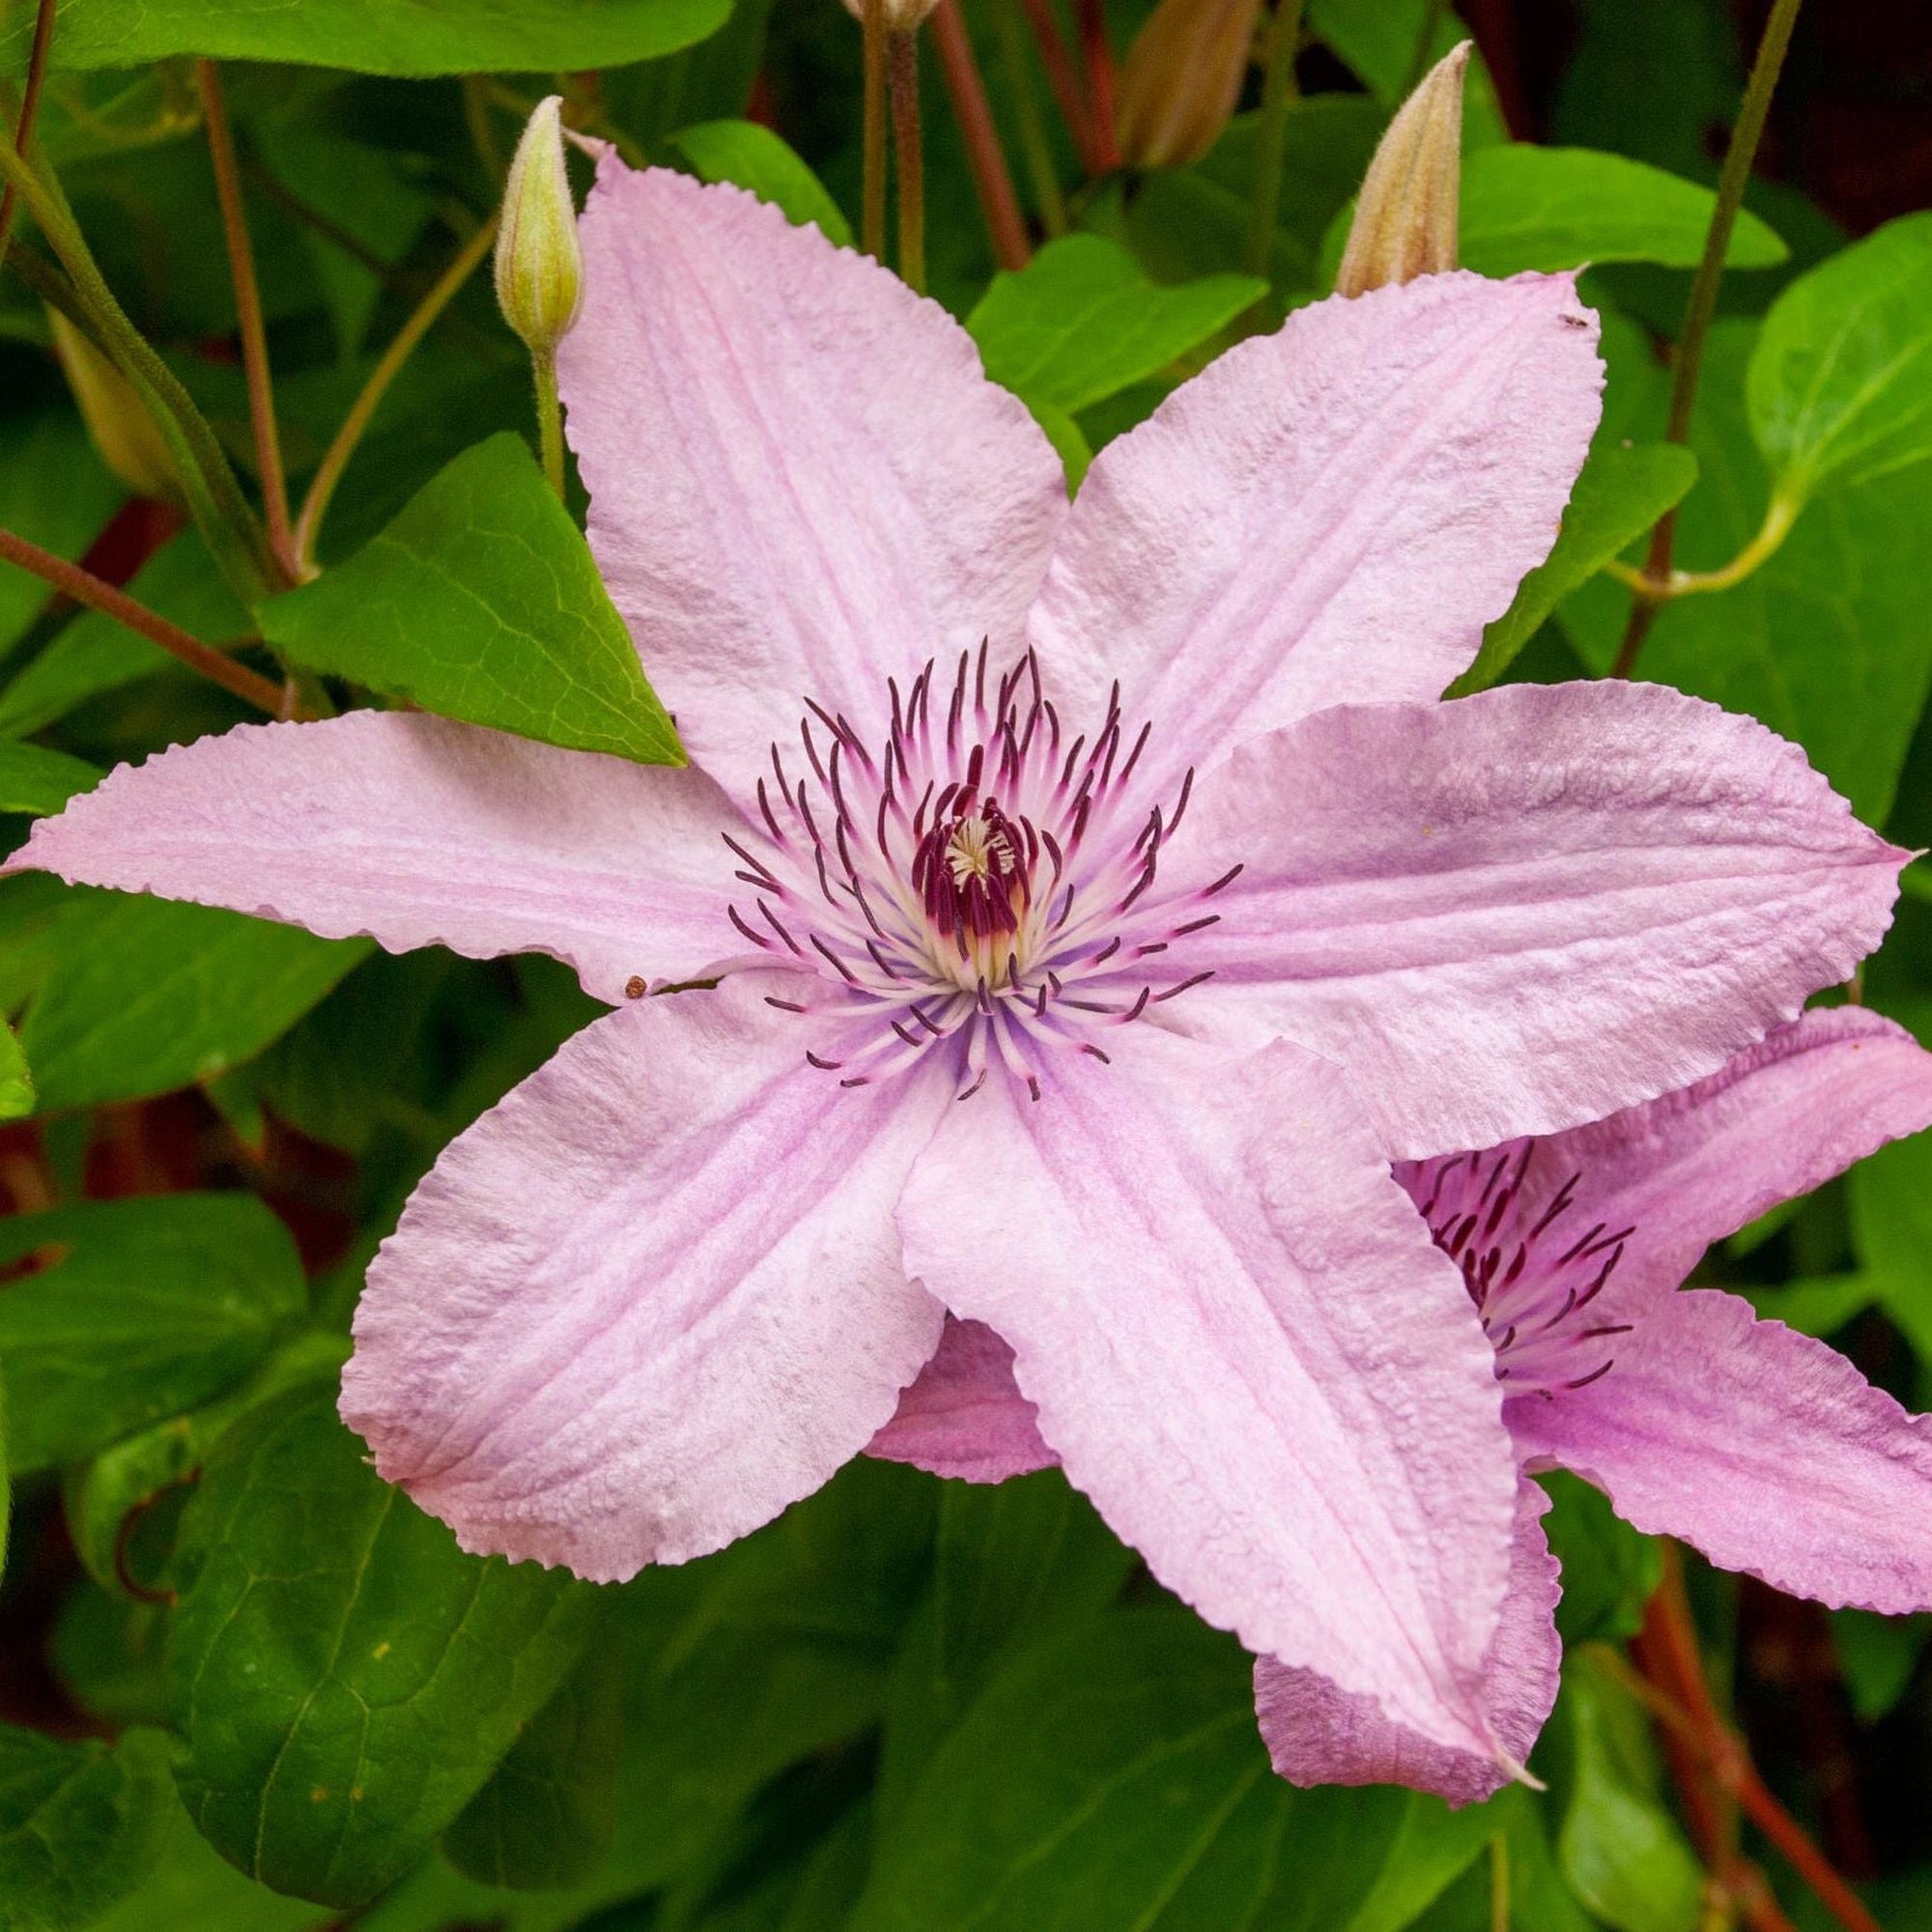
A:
(1405, 222)
(118, 423)
(539, 265)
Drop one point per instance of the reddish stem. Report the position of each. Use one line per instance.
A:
(30, 108)
(1674, 1664)
(1064, 80)
(971, 108)
(86, 588)
(1100, 88)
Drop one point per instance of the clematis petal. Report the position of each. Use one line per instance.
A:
(1244, 1349)
(1778, 1120)
(965, 1415)
(1318, 1734)
(1327, 515)
(651, 1298)
(800, 479)
(1764, 1448)
(1517, 911)
(420, 831)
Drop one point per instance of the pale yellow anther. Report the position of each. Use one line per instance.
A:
(1406, 217)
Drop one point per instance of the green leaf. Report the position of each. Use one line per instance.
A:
(1014, 1561)
(1527, 207)
(764, 163)
(1622, 491)
(1840, 383)
(1819, 1307)
(1081, 320)
(546, 1818)
(346, 1678)
(1382, 40)
(1890, 1193)
(1877, 1656)
(1609, 1570)
(80, 1826)
(393, 37)
(1113, 1776)
(126, 996)
(55, 492)
(112, 1498)
(1620, 1849)
(39, 781)
(711, 81)
(16, 1081)
(480, 601)
(1830, 641)
(138, 1309)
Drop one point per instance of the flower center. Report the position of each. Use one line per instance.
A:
(1532, 1270)
(973, 890)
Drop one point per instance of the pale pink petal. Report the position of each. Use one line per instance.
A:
(1778, 1120)
(1318, 1734)
(1762, 1447)
(652, 1298)
(1244, 1349)
(965, 1415)
(421, 832)
(1514, 913)
(1326, 515)
(801, 481)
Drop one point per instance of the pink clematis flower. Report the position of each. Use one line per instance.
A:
(1763, 1448)
(1059, 866)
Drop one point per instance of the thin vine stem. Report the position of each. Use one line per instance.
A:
(1779, 515)
(992, 179)
(249, 317)
(1064, 80)
(1101, 101)
(550, 418)
(1041, 168)
(1278, 96)
(84, 588)
(872, 194)
(908, 154)
(335, 459)
(30, 110)
(1704, 303)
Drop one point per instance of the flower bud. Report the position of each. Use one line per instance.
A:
(1182, 78)
(1405, 222)
(118, 423)
(897, 16)
(539, 265)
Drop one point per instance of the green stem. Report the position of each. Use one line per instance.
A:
(873, 197)
(1499, 1883)
(549, 418)
(247, 317)
(902, 74)
(1778, 517)
(1034, 142)
(230, 529)
(30, 108)
(84, 588)
(335, 459)
(1704, 303)
(1278, 95)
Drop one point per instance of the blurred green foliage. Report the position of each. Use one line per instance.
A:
(263, 1689)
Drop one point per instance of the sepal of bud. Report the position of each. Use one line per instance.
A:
(539, 263)
(897, 16)
(117, 421)
(1182, 78)
(1406, 217)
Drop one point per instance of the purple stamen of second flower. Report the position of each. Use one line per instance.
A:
(1534, 1270)
(974, 889)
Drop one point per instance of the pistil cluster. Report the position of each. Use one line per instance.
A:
(976, 889)
(1533, 1272)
